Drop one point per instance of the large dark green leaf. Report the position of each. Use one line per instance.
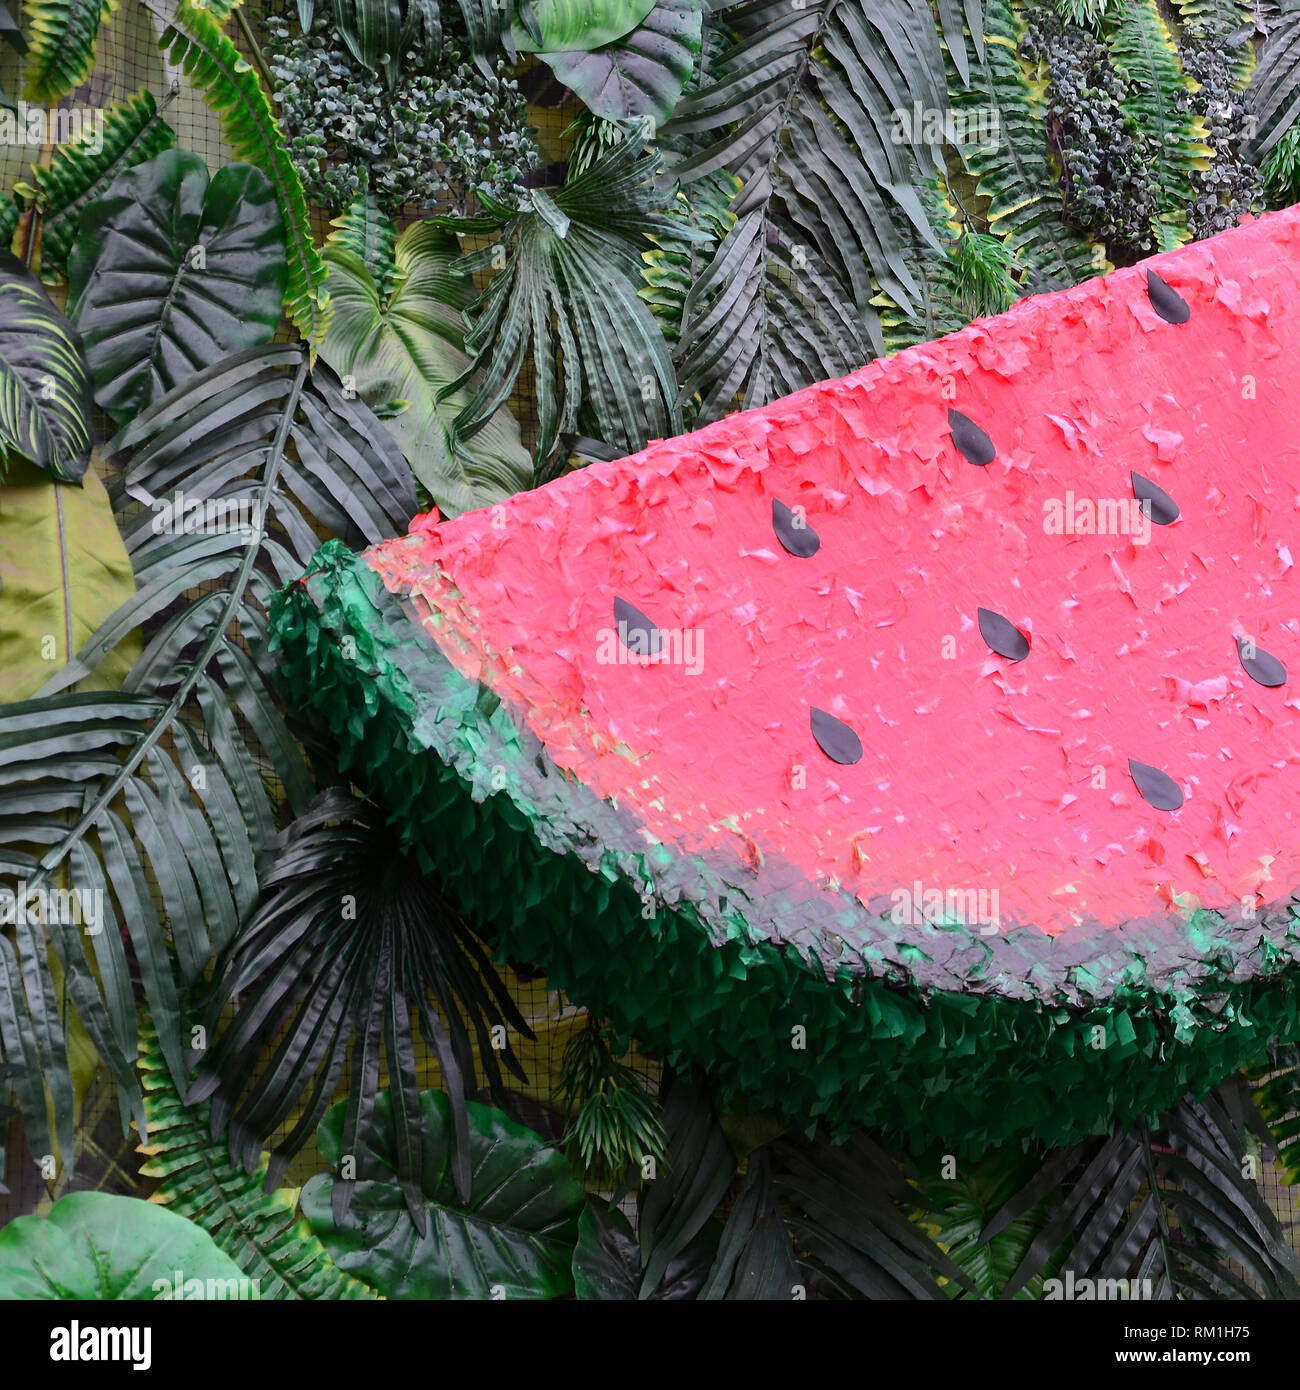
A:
(512, 1238)
(172, 273)
(99, 1247)
(45, 401)
(641, 74)
(407, 345)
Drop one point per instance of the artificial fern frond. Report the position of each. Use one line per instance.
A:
(261, 1231)
(1011, 171)
(568, 294)
(195, 43)
(62, 49)
(1145, 55)
(363, 229)
(1226, 14)
(83, 168)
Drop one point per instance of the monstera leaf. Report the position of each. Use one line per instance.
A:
(640, 74)
(405, 347)
(172, 273)
(45, 400)
(513, 1237)
(572, 24)
(96, 1246)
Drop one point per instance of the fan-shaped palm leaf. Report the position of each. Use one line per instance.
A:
(351, 942)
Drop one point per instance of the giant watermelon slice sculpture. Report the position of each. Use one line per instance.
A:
(920, 750)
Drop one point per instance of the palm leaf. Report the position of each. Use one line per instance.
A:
(282, 453)
(853, 1212)
(194, 42)
(1011, 172)
(568, 297)
(937, 308)
(1274, 91)
(1144, 53)
(756, 1258)
(350, 942)
(671, 1256)
(1171, 1206)
(260, 1230)
(805, 109)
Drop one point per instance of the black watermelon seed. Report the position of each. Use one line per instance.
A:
(1260, 665)
(637, 633)
(835, 738)
(1163, 508)
(973, 443)
(1166, 301)
(793, 531)
(1157, 788)
(1004, 637)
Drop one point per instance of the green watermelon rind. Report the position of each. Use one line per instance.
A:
(1066, 1045)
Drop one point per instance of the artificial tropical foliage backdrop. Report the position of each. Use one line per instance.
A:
(447, 252)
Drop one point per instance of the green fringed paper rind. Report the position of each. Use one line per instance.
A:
(553, 870)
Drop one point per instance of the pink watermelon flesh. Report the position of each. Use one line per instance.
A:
(977, 771)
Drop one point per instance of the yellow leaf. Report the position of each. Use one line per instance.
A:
(63, 570)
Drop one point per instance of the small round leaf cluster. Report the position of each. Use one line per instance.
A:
(1106, 159)
(433, 141)
(1231, 187)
